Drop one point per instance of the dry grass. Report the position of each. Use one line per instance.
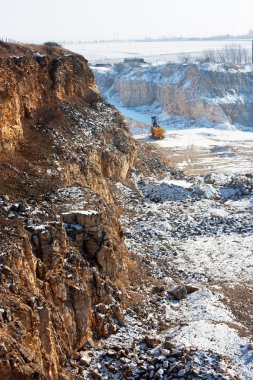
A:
(238, 297)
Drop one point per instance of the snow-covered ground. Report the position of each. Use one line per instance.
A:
(202, 150)
(200, 136)
(158, 51)
(195, 146)
(193, 232)
(200, 231)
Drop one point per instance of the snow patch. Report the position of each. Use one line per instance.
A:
(219, 338)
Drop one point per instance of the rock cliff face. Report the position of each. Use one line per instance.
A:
(220, 93)
(63, 261)
(31, 81)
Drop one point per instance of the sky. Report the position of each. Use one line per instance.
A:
(86, 20)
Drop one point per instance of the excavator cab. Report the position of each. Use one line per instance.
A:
(157, 132)
(154, 122)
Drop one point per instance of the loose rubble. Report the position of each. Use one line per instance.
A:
(191, 241)
(78, 190)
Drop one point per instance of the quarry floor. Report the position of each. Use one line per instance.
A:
(191, 229)
(203, 150)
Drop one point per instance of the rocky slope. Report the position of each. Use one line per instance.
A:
(193, 236)
(112, 265)
(217, 93)
(63, 260)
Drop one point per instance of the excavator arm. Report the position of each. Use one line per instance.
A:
(157, 132)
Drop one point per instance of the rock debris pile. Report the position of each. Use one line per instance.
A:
(112, 265)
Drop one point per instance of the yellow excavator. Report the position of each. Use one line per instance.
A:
(157, 132)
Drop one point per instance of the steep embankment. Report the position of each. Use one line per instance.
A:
(66, 165)
(63, 262)
(217, 93)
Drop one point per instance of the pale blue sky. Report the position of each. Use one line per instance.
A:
(73, 20)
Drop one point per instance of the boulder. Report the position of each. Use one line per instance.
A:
(152, 340)
(168, 344)
(191, 288)
(178, 292)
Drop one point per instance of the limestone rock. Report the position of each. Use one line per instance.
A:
(178, 292)
(191, 288)
(3, 349)
(152, 340)
(85, 360)
(63, 264)
(168, 344)
(194, 91)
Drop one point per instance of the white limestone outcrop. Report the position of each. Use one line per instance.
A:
(219, 92)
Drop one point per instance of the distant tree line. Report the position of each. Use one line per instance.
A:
(5, 42)
(233, 53)
(230, 53)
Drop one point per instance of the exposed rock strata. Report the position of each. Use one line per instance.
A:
(63, 263)
(220, 93)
